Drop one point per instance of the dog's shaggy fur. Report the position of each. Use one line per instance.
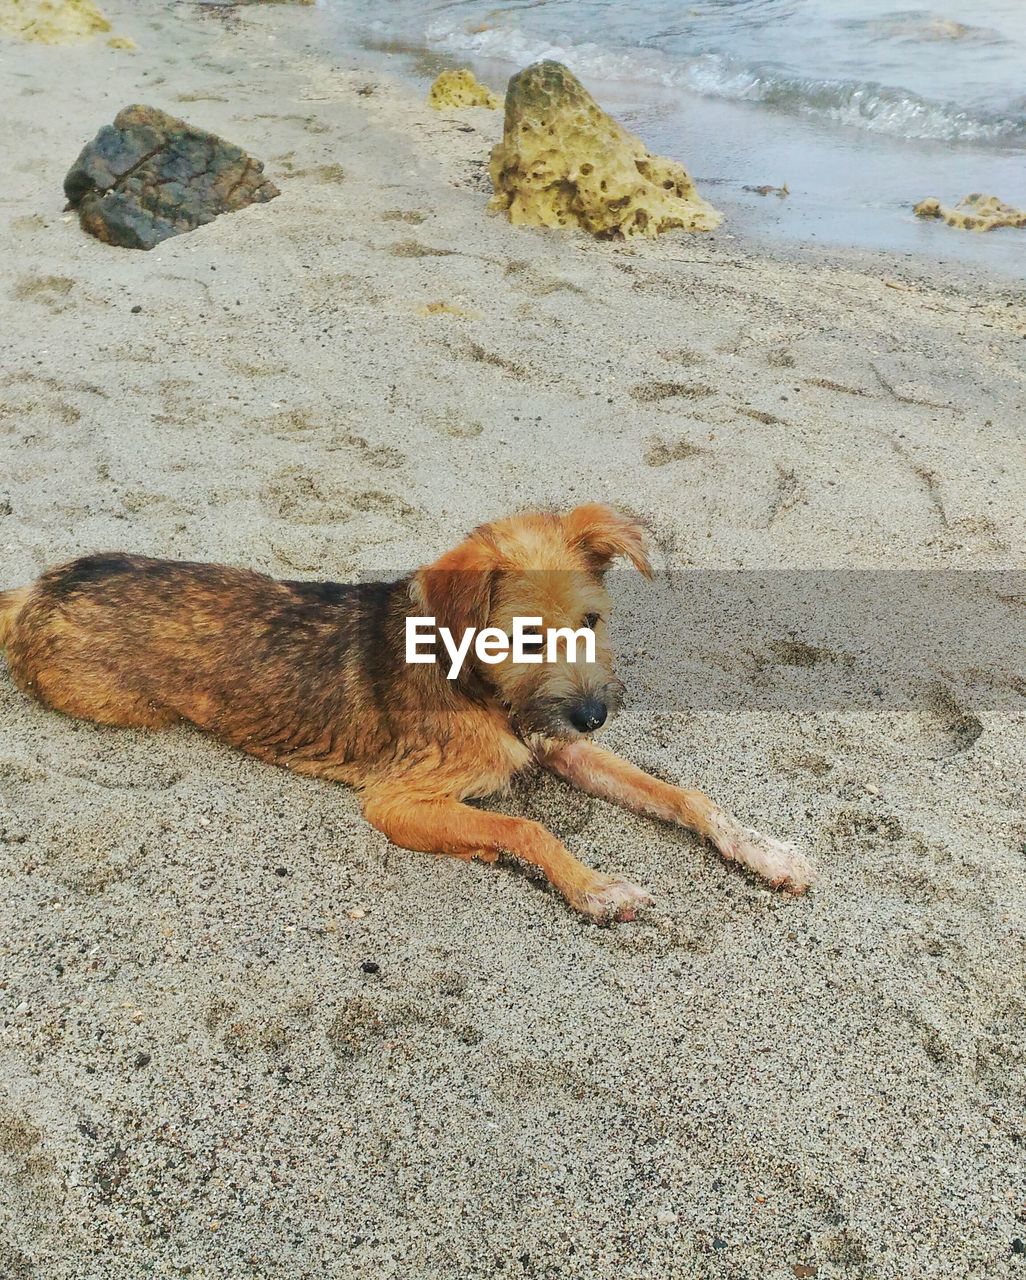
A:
(313, 676)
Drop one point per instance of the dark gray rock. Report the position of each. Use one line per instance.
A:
(150, 176)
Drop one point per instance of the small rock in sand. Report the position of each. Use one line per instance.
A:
(975, 212)
(150, 176)
(461, 89)
(55, 21)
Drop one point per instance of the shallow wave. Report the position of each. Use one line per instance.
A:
(864, 105)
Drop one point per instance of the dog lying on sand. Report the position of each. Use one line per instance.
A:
(314, 676)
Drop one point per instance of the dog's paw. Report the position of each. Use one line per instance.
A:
(607, 898)
(778, 863)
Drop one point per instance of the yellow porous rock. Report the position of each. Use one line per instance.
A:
(563, 162)
(461, 89)
(51, 21)
(974, 213)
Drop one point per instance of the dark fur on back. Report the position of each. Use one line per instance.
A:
(291, 671)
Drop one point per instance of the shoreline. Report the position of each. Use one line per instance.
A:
(198, 1072)
(816, 159)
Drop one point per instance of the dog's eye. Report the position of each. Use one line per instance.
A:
(591, 621)
(532, 636)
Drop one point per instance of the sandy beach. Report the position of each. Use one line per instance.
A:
(241, 1035)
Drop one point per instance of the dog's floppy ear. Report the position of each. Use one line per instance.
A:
(602, 534)
(457, 589)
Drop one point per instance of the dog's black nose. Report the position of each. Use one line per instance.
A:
(588, 714)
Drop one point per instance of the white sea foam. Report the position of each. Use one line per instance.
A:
(863, 105)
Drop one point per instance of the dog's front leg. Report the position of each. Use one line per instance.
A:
(447, 826)
(601, 773)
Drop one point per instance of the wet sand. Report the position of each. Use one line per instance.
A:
(198, 1076)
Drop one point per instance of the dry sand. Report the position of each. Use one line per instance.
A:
(197, 1077)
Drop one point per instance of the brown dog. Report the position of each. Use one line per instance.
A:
(315, 677)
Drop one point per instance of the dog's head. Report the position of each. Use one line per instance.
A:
(547, 566)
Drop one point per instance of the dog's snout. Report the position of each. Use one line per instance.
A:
(588, 714)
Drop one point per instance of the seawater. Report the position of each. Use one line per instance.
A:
(862, 107)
